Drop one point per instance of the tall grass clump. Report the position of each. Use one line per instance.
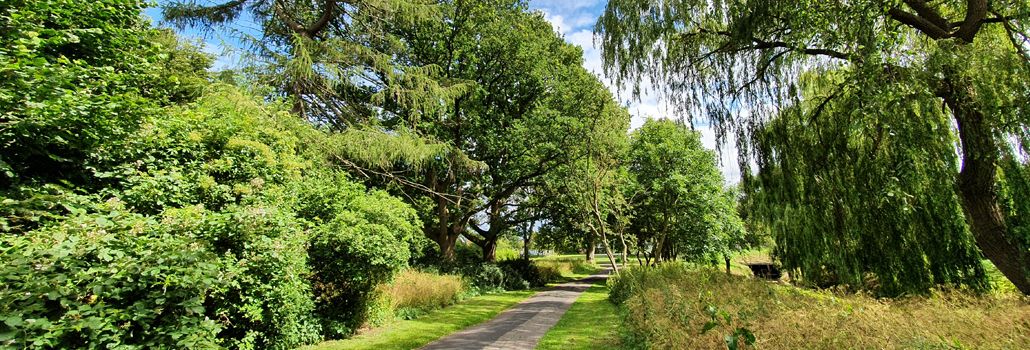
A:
(678, 307)
(414, 292)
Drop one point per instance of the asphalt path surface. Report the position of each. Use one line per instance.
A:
(521, 326)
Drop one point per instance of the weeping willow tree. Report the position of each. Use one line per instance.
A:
(738, 64)
(856, 199)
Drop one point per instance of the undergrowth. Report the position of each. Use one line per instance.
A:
(678, 307)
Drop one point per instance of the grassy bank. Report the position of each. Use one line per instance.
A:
(410, 334)
(591, 323)
(679, 307)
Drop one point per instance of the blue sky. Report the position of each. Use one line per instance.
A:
(574, 19)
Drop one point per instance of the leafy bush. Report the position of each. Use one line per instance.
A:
(630, 281)
(549, 272)
(294, 250)
(111, 278)
(484, 277)
(355, 252)
(79, 78)
(521, 274)
(553, 268)
(507, 249)
(266, 301)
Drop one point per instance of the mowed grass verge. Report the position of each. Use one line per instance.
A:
(411, 334)
(591, 323)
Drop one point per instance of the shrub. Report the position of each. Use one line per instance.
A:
(361, 239)
(295, 249)
(414, 292)
(266, 302)
(112, 278)
(507, 249)
(552, 269)
(484, 277)
(631, 281)
(550, 272)
(521, 274)
(79, 79)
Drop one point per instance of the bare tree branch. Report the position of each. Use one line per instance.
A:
(919, 23)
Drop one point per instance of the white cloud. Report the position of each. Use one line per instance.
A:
(557, 22)
(565, 5)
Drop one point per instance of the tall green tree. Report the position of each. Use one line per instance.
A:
(585, 197)
(683, 210)
(531, 106)
(740, 62)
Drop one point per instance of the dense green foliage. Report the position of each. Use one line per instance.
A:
(893, 80)
(529, 115)
(146, 207)
(491, 83)
(334, 60)
(909, 233)
(261, 259)
(77, 80)
(684, 210)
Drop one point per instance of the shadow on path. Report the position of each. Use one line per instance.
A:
(521, 326)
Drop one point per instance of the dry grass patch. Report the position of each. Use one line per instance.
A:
(422, 291)
(564, 266)
(670, 308)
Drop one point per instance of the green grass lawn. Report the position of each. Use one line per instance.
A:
(411, 334)
(591, 323)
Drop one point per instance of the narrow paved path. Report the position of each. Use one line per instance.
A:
(521, 326)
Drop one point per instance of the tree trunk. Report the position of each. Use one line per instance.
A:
(444, 232)
(525, 245)
(659, 249)
(490, 250)
(976, 185)
(625, 248)
(446, 243)
(590, 250)
(608, 252)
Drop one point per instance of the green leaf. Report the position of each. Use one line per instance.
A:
(14, 321)
(749, 338)
(731, 341)
(708, 326)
